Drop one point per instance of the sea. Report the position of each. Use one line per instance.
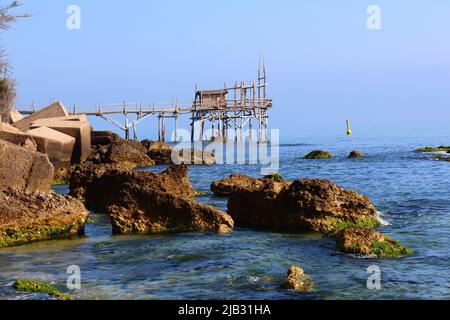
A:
(410, 189)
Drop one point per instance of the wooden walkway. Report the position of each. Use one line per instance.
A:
(238, 108)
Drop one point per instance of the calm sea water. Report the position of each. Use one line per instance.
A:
(410, 188)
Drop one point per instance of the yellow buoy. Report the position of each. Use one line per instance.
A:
(349, 130)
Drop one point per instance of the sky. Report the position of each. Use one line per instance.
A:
(324, 64)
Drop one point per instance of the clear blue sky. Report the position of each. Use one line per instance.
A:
(324, 64)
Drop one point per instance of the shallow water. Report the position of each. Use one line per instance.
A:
(411, 189)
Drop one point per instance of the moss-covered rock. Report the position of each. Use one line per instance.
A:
(38, 216)
(297, 280)
(356, 154)
(318, 154)
(336, 224)
(275, 177)
(33, 286)
(438, 149)
(442, 158)
(315, 205)
(369, 242)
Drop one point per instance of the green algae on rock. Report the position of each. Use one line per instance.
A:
(318, 154)
(306, 205)
(356, 154)
(369, 242)
(33, 286)
(442, 158)
(275, 177)
(38, 216)
(438, 149)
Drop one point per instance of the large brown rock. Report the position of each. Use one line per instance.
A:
(29, 217)
(52, 111)
(24, 169)
(127, 153)
(146, 202)
(98, 185)
(149, 210)
(305, 205)
(21, 139)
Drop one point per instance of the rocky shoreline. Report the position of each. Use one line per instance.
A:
(105, 180)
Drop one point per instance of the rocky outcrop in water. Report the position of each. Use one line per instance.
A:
(303, 205)
(24, 169)
(123, 152)
(438, 149)
(147, 210)
(236, 182)
(28, 217)
(297, 280)
(163, 153)
(146, 202)
(318, 154)
(369, 242)
(356, 154)
(160, 152)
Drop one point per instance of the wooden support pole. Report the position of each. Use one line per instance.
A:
(176, 128)
(159, 128)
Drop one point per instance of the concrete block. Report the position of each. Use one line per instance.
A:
(58, 146)
(52, 111)
(79, 130)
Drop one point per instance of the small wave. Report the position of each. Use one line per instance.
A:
(253, 278)
(381, 220)
(295, 145)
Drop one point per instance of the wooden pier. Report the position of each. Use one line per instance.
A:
(240, 108)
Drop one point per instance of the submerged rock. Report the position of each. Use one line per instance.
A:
(146, 202)
(442, 158)
(29, 217)
(297, 280)
(33, 286)
(24, 169)
(369, 242)
(318, 154)
(303, 205)
(356, 154)
(123, 152)
(438, 149)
